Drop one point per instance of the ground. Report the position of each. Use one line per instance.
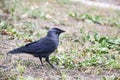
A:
(88, 50)
(115, 2)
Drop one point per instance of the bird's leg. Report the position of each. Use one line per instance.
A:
(41, 61)
(47, 59)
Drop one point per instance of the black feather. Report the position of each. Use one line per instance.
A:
(43, 47)
(17, 50)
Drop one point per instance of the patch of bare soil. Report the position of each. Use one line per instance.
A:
(115, 2)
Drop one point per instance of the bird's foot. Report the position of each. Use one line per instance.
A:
(55, 68)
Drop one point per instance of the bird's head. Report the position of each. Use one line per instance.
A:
(54, 32)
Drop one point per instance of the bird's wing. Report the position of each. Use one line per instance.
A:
(44, 45)
(31, 43)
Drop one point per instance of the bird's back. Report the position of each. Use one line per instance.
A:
(41, 48)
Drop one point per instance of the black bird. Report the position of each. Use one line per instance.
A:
(43, 47)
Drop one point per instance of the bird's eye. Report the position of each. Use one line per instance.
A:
(57, 33)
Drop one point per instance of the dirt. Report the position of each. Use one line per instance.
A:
(71, 26)
(115, 2)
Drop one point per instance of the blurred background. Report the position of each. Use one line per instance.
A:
(89, 50)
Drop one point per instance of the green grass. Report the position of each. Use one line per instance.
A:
(1, 55)
(97, 54)
(63, 1)
(110, 78)
(96, 18)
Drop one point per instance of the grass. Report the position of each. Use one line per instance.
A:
(96, 18)
(79, 49)
(110, 78)
(1, 56)
(98, 53)
(63, 1)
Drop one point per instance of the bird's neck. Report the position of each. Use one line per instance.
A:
(54, 37)
(56, 41)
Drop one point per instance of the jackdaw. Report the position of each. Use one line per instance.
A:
(43, 47)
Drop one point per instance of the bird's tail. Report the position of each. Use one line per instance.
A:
(17, 50)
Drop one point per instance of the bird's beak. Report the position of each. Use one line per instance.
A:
(62, 31)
